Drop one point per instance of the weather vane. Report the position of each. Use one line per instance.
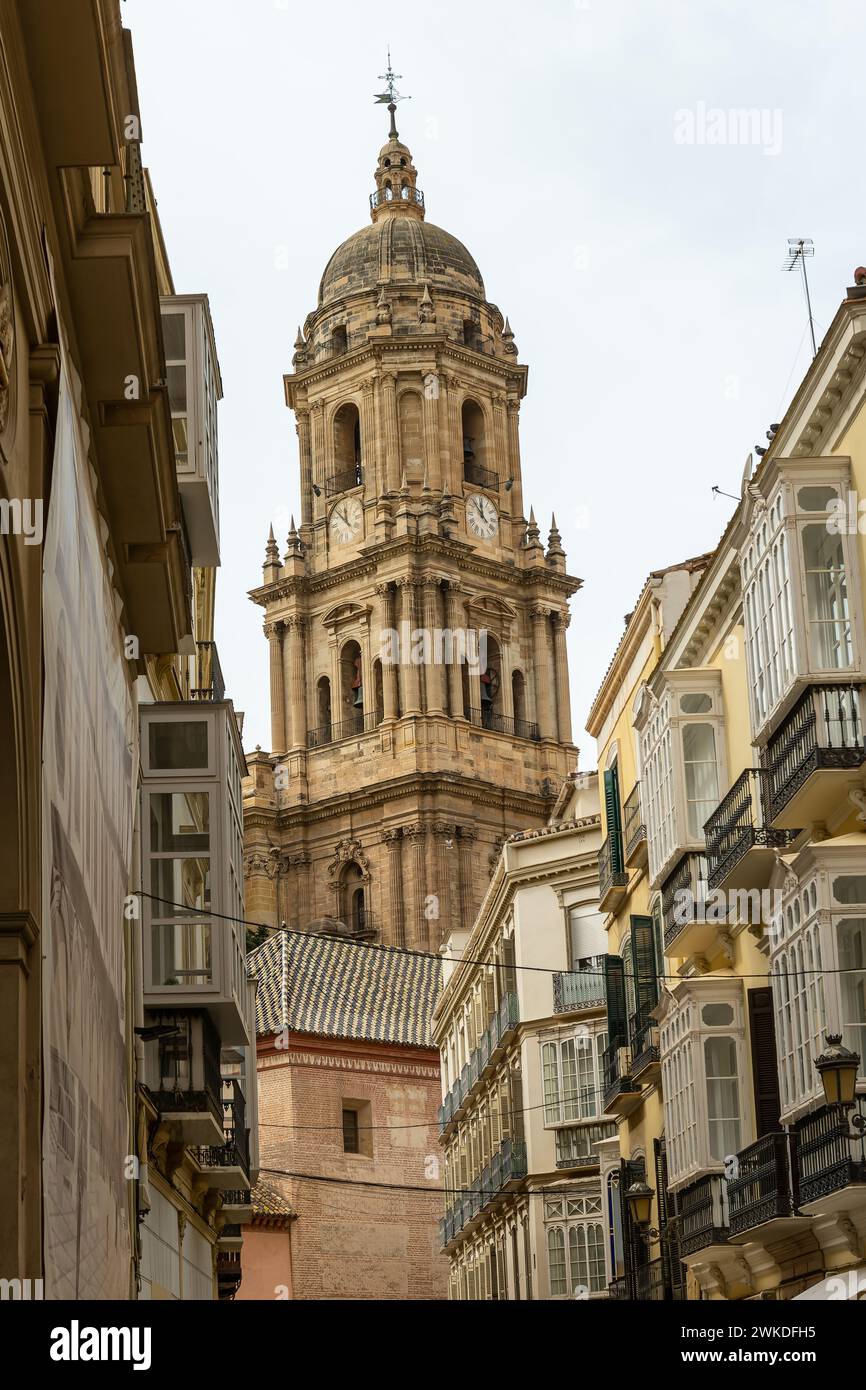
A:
(390, 97)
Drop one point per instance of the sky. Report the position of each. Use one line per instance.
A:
(631, 225)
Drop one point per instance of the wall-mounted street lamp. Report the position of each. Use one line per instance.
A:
(837, 1068)
(640, 1203)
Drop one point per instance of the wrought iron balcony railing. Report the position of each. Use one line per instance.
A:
(344, 480)
(479, 476)
(764, 1187)
(703, 1214)
(829, 1155)
(611, 874)
(580, 989)
(644, 1040)
(176, 1063)
(359, 723)
(406, 195)
(823, 730)
(504, 724)
(633, 828)
(684, 895)
(738, 824)
(209, 682)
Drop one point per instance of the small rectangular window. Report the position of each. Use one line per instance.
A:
(350, 1132)
(177, 744)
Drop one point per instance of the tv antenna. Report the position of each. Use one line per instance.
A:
(390, 96)
(799, 248)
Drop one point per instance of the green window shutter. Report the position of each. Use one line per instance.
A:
(643, 955)
(762, 1028)
(617, 1019)
(613, 818)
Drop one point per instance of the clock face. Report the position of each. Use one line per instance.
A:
(347, 520)
(482, 517)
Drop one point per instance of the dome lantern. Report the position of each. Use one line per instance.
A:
(397, 191)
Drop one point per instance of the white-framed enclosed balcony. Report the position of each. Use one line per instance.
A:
(683, 764)
(182, 1073)
(802, 588)
(194, 388)
(818, 966)
(194, 946)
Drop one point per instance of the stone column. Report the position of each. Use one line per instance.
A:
(431, 441)
(467, 839)
(390, 431)
(318, 466)
(416, 835)
(434, 671)
(389, 669)
(444, 428)
(287, 688)
(298, 694)
(500, 444)
(394, 841)
(563, 693)
(542, 671)
(300, 864)
(446, 856)
(411, 682)
(369, 458)
(456, 625)
(302, 425)
(278, 713)
(513, 408)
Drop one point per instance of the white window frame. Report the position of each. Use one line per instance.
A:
(683, 1035)
(575, 1212)
(808, 991)
(779, 655)
(565, 1113)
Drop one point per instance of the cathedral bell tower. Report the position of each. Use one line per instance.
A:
(417, 625)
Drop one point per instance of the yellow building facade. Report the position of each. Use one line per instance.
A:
(744, 729)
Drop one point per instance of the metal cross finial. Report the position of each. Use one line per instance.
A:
(391, 96)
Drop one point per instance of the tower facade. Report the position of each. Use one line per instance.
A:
(417, 625)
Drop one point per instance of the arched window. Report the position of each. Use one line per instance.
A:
(471, 335)
(348, 471)
(340, 340)
(411, 415)
(353, 901)
(352, 687)
(323, 709)
(518, 699)
(491, 678)
(474, 444)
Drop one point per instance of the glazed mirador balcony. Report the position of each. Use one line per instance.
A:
(741, 844)
(491, 1047)
(576, 1145)
(634, 831)
(580, 989)
(507, 1165)
(687, 931)
(612, 877)
(622, 1094)
(182, 1073)
(815, 754)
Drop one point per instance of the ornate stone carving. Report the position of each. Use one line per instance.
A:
(348, 852)
(262, 863)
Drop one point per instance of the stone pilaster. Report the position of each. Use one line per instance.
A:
(446, 855)
(466, 841)
(298, 691)
(563, 692)
(390, 431)
(302, 425)
(274, 633)
(411, 672)
(394, 842)
(390, 669)
(542, 670)
(456, 624)
(434, 672)
(416, 835)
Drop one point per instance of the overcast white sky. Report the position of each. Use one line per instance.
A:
(641, 274)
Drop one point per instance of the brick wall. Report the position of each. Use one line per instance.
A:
(355, 1242)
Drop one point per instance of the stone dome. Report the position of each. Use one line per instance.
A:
(398, 249)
